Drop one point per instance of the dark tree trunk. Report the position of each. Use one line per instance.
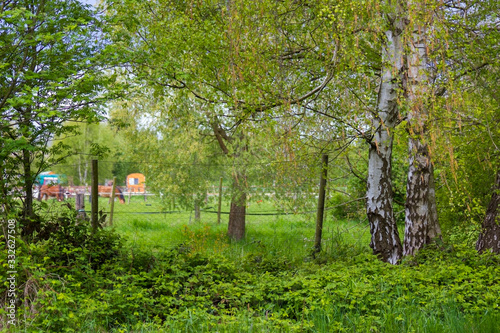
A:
(94, 218)
(197, 211)
(4, 202)
(433, 228)
(29, 223)
(489, 238)
(28, 185)
(321, 204)
(236, 228)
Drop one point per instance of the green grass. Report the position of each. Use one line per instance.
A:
(181, 275)
(290, 234)
(144, 226)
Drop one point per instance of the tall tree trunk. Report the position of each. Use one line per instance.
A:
(489, 238)
(5, 201)
(197, 200)
(417, 198)
(421, 224)
(385, 240)
(29, 224)
(236, 228)
(3, 180)
(433, 227)
(79, 168)
(28, 185)
(83, 175)
(321, 204)
(197, 211)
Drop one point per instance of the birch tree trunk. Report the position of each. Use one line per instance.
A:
(421, 224)
(489, 239)
(417, 198)
(385, 240)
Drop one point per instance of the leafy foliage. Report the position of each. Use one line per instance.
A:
(52, 72)
(76, 281)
(92, 141)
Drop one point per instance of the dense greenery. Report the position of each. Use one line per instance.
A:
(91, 141)
(302, 79)
(197, 280)
(53, 71)
(401, 95)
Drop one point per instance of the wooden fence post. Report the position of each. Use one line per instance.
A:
(321, 204)
(220, 201)
(95, 195)
(112, 208)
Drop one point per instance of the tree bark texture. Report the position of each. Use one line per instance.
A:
(219, 204)
(417, 198)
(433, 228)
(197, 211)
(4, 202)
(236, 228)
(321, 204)
(489, 238)
(29, 223)
(95, 196)
(421, 224)
(28, 185)
(385, 240)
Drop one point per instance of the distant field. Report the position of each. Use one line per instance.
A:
(149, 225)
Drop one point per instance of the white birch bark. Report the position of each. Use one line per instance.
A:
(385, 240)
(421, 224)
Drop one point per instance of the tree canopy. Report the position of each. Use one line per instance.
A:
(52, 72)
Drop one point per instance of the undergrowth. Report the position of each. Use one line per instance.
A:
(76, 281)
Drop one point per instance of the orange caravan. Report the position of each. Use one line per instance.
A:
(135, 182)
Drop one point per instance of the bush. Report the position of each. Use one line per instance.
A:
(343, 207)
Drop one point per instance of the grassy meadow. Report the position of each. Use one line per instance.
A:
(142, 224)
(169, 273)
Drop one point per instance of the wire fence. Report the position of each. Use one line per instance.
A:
(189, 192)
(147, 203)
